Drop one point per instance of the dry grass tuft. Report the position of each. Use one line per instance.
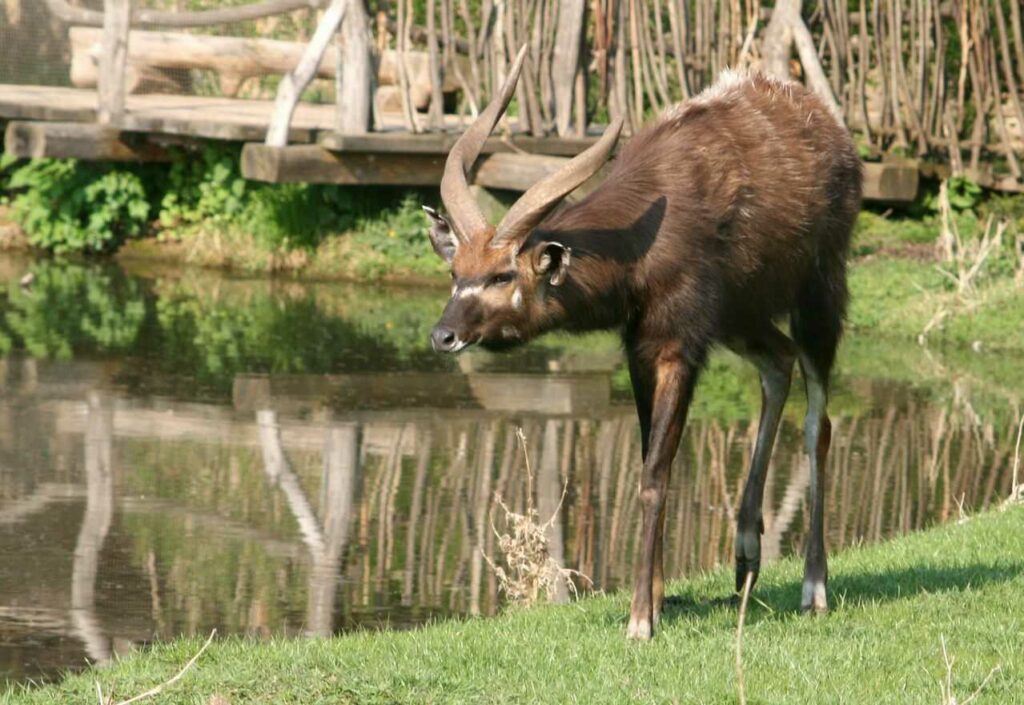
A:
(963, 260)
(530, 574)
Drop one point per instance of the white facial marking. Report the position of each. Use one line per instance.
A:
(509, 332)
(517, 298)
(466, 291)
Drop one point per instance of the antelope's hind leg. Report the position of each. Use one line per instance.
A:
(817, 438)
(773, 354)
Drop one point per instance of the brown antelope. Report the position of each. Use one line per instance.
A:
(727, 213)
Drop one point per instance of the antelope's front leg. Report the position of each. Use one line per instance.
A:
(671, 380)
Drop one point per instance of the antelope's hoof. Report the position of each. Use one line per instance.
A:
(639, 629)
(748, 558)
(815, 598)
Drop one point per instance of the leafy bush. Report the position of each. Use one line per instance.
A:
(205, 187)
(395, 238)
(70, 206)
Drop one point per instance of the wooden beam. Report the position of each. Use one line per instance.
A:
(891, 182)
(515, 172)
(64, 140)
(441, 143)
(234, 59)
(70, 14)
(313, 164)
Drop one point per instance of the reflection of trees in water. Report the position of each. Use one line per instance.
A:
(421, 510)
(99, 510)
(70, 309)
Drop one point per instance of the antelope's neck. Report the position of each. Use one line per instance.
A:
(595, 295)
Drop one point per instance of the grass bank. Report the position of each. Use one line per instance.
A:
(893, 605)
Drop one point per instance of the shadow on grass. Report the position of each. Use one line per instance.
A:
(849, 590)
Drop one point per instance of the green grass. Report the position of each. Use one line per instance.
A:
(897, 297)
(893, 603)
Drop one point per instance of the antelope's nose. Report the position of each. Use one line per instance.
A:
(443, 339)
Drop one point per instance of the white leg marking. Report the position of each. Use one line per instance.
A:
(815, 597)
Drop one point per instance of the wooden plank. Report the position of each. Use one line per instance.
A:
(891, 182)
(68, 140)
(47, 103)
(313, 164)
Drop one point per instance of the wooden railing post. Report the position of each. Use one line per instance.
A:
(113, 60)
(290, 89)
(355, 73)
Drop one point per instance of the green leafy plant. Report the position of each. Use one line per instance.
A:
(70, 206)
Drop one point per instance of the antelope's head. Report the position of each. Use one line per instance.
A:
(502, 277)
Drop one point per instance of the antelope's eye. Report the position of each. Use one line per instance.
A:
(501, 279)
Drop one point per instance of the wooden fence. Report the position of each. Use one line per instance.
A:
(935, 80)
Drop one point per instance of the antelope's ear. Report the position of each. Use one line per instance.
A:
(441, 235)
(552, 259)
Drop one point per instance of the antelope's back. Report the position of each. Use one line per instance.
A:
(761, 180)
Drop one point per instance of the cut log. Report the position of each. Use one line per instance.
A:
(891, 182)
(63, 140)
(314, 164)
(234, 59)
(440, 143)
(309, 163)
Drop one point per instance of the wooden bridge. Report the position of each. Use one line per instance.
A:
(105, 116)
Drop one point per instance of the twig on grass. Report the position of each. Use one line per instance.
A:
(156, 690)
(740, 684)
(948, 696)
(962, 517)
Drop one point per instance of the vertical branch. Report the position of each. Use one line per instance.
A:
(678, 42)
(638, 82)
(435, 115)
(565, 63)
(474, 53)
(402, 45)
(113, 60)
(864, 49)
(1006, 61)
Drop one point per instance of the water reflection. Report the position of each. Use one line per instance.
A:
(279, 459)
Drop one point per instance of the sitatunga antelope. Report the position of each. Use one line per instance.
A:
(728, 213)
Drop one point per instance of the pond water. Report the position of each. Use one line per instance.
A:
(181, 451)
